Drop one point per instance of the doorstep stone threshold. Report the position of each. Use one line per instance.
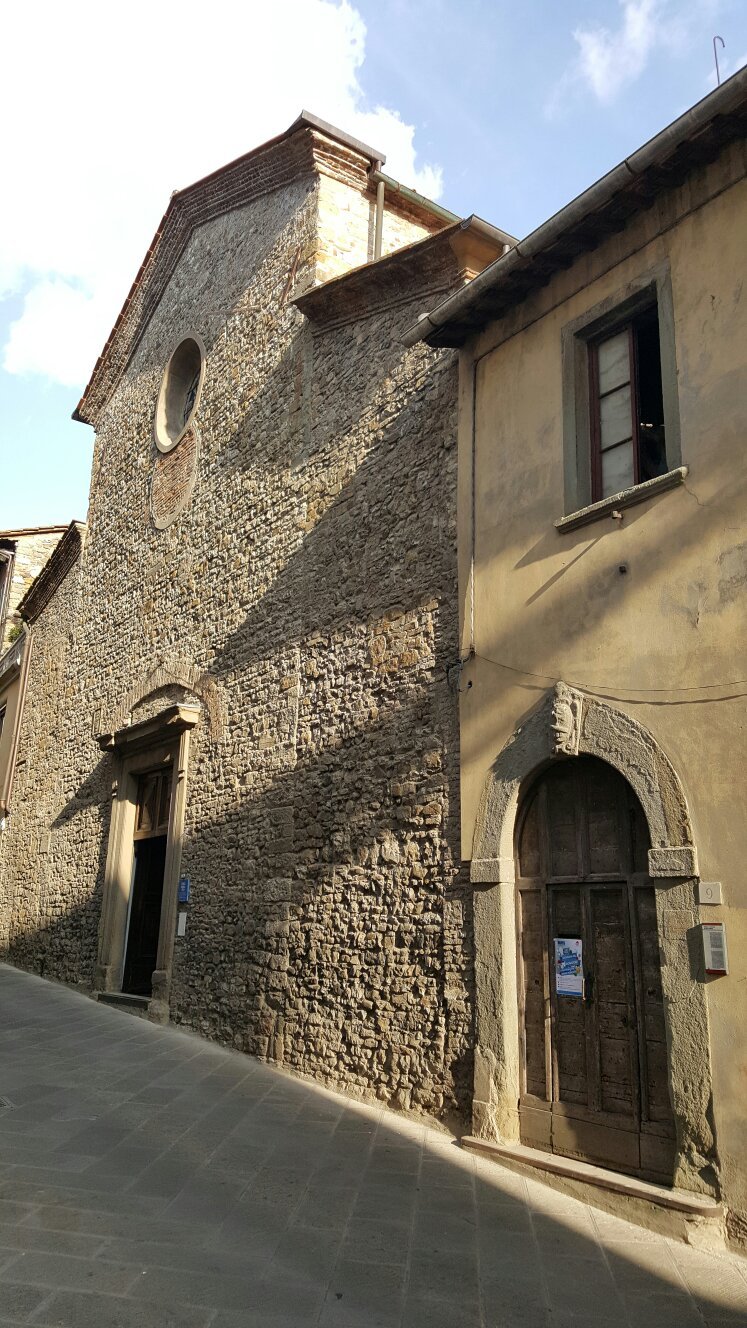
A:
(124, 1000)
(680, 1201)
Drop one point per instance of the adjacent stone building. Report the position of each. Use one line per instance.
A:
(244, 669)
(603, 576)
(23, 555)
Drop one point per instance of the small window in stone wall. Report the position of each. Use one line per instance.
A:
(179, 396)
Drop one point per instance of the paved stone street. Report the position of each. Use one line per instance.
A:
(148, 1179)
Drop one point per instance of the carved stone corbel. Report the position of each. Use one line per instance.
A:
(565, 720)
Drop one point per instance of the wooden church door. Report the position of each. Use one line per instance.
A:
(593, 1041)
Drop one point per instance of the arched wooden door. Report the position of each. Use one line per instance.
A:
(594, 1057)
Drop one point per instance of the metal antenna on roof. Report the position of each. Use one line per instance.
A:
(715, 56)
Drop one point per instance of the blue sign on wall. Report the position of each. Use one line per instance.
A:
(183, 889)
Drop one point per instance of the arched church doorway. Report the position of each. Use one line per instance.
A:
(593, 1074)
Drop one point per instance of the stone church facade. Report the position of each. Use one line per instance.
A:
(260, 619)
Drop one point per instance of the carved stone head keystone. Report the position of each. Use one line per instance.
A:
(565, 720)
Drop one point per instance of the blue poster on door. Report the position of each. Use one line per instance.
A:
(569, 974)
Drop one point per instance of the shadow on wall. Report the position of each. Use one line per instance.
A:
(329, 925)
(363, 495)
(689, 592)
(65, 945)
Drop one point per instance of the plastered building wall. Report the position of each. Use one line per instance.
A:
(310, 584)
(647, 613)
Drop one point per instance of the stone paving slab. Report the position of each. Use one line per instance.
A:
(152, 1180)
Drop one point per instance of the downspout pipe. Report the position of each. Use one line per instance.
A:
(658, 149)
(385, 182)
(379, 230)
(411, 195)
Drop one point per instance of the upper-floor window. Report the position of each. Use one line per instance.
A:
(626, 409)
(621, 434)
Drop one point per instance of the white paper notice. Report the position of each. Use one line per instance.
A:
(569, 974)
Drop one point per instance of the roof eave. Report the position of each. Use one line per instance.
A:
(53, 573)
(456, 318)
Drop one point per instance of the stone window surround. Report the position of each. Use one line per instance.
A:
(653, 286)
(160, 437)
(154, 743)
(565, 724)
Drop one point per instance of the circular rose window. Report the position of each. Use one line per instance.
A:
(180, 392)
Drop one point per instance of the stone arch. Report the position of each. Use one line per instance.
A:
(175, 672)
(568, 723)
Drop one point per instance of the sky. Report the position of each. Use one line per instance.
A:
(496, 109)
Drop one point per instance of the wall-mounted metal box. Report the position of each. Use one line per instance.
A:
(714, 947)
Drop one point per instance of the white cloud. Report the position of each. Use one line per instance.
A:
(58, 327)
(607, 60)
(610, 59)
(113, 109)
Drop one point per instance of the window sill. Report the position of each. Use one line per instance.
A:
(626, 498)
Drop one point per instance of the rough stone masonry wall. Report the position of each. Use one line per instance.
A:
(334, 866)
(31, 553)
(52, 852)
(349, 210)
(312, 578)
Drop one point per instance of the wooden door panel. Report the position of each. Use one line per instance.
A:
(654, 1059)
(601, 1062)
(605, 849)
(617, 1091)
(658, 1157)
(618, 1149)
(570, 1069)
(535, 1127)
(563, 828)
(659, 1103)
(572, 1083)
(613, 995)
(529, 851)
(532, 922)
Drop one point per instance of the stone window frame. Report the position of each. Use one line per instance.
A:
(152, 744)
(653, 286)
(169, 445)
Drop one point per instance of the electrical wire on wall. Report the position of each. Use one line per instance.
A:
(628, 695)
